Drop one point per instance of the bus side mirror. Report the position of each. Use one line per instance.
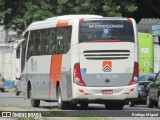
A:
(18, 78)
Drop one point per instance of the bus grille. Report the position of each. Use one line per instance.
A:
(106, 54)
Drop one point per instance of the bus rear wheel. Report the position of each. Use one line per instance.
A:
(114, 106)
(61, 104)
(84, 105)
(158, 102)
(131, 104)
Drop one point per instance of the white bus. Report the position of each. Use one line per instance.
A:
(81, 59)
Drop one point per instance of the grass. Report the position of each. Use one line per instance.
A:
(30, 118)
(52, 113)
(10, 107)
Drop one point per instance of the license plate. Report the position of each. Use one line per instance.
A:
(107, 91)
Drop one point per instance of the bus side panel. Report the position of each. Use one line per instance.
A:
(38, 73)
(66, 82)
(60, 74)
(44, 76)
(35, 83)
(55, 77)
(24, 85)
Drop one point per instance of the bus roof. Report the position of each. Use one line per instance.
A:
(54, 20)
(68, 17)
(50, 22)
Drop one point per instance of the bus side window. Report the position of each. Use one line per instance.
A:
(52, 41)
(36, 43)
(60, 40)
(30, 45)
(47, 49)
(39, 49)
(24, 43)
(44, 42)
(67, 39)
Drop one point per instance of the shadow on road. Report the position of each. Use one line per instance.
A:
(75, 108)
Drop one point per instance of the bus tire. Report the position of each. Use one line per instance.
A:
(158, 101)
(84, 105)
(35, 103)
(114, 106)
(29, 91)
(109, 107)
(131, 104)
(149, 102)
(61, 104)
(119, 107)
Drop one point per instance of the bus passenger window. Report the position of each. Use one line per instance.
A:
(30, 45)
(46, 50)
(37, 43)
(51, 41)
(67, 39)
(39, 49)
(44, 41)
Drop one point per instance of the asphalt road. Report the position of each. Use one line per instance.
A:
(11, 98)
(7, 98)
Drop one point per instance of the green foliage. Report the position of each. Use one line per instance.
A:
(119, 7)
(147, 9)
(18, 14)
(62, 1)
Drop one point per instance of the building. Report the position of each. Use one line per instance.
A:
(8, 35)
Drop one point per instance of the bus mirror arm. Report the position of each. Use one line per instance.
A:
(17, 78)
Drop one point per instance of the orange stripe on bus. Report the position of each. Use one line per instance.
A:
(62, 23)
(55, 70)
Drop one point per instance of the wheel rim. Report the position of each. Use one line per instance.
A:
(59, 98)
(130, 104)
(30, 93)
(159, 101)
(147, 100)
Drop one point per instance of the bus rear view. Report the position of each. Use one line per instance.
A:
(106, 70)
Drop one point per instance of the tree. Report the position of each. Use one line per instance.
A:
(18, 14)
(147, 9)
(101, 7)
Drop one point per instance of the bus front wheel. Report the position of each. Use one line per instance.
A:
(34, 102)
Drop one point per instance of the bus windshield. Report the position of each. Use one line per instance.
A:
(106, 31)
